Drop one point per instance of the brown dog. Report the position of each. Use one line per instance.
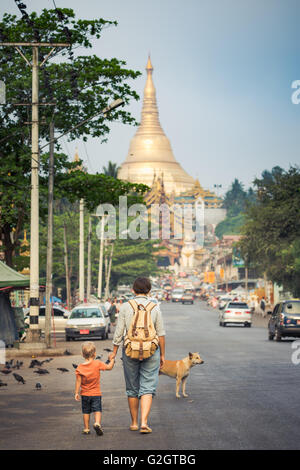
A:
(180, 370)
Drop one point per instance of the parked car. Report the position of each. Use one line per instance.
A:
(59, 316)
(236, 312)
(177, 295)
(284, 320)
(88, 321)
(187, 297)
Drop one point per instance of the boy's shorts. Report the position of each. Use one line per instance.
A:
(91, 404)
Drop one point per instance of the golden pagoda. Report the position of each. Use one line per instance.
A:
(150, 150)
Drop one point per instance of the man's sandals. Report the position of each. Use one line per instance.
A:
(98, 429)
(145, 429)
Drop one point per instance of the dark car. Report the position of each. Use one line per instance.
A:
(285, 320)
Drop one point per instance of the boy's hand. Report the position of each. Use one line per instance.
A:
(77, 397)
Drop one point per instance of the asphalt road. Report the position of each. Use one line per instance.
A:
(245, 395)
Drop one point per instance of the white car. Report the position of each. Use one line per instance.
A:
(177, 295)
(236, 312)
(59, 318)
(88, 321)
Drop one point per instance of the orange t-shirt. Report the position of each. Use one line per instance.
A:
(90, 377)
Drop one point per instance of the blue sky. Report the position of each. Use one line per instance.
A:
(223, 71)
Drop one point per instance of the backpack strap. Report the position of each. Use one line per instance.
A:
(150, 306)
(134, 305)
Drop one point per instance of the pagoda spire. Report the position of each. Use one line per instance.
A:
(150, 117)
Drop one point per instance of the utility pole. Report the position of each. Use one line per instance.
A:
(246, 282)
(67, 267)
(88, 287)
(99, 293)
(34, 332)
(109, 271)
(81, 250)
(49, 240)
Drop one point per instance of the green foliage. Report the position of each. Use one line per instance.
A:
(230, 226)
(235, 199)
(81, 86)
(235, 202)
(111, 169)
(133, 258)
(272, 230)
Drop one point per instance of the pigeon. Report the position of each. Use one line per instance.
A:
(17, 365)
(62, 369)
(98, 357)
(2, 384)
(35, 362)
(41, 371)
(19, 378)
(7, 365)
(6, 371)
(75, 366)
(107, 349)
(38, 386)
(48, 360)
(67, 353)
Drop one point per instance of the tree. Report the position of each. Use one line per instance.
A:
(133, 258)
(81, 87)
(235, 199)
(111, 169)
(271, 234)
(235, 202)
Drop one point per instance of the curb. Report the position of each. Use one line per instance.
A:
(11, 353)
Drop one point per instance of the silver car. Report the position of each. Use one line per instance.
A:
(236, 312)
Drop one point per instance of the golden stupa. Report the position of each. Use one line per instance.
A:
(150, 152)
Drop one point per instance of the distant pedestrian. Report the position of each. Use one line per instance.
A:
(263, 306)
(107, 304)
(112, 312)
(88, 384)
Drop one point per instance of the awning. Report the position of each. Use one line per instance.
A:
(10, 278)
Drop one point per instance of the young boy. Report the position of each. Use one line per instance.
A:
(88, 382)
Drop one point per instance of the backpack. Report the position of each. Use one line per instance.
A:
(141, 340)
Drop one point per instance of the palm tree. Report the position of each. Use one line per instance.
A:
(111, 169)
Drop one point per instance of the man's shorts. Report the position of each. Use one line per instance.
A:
(91, 404)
